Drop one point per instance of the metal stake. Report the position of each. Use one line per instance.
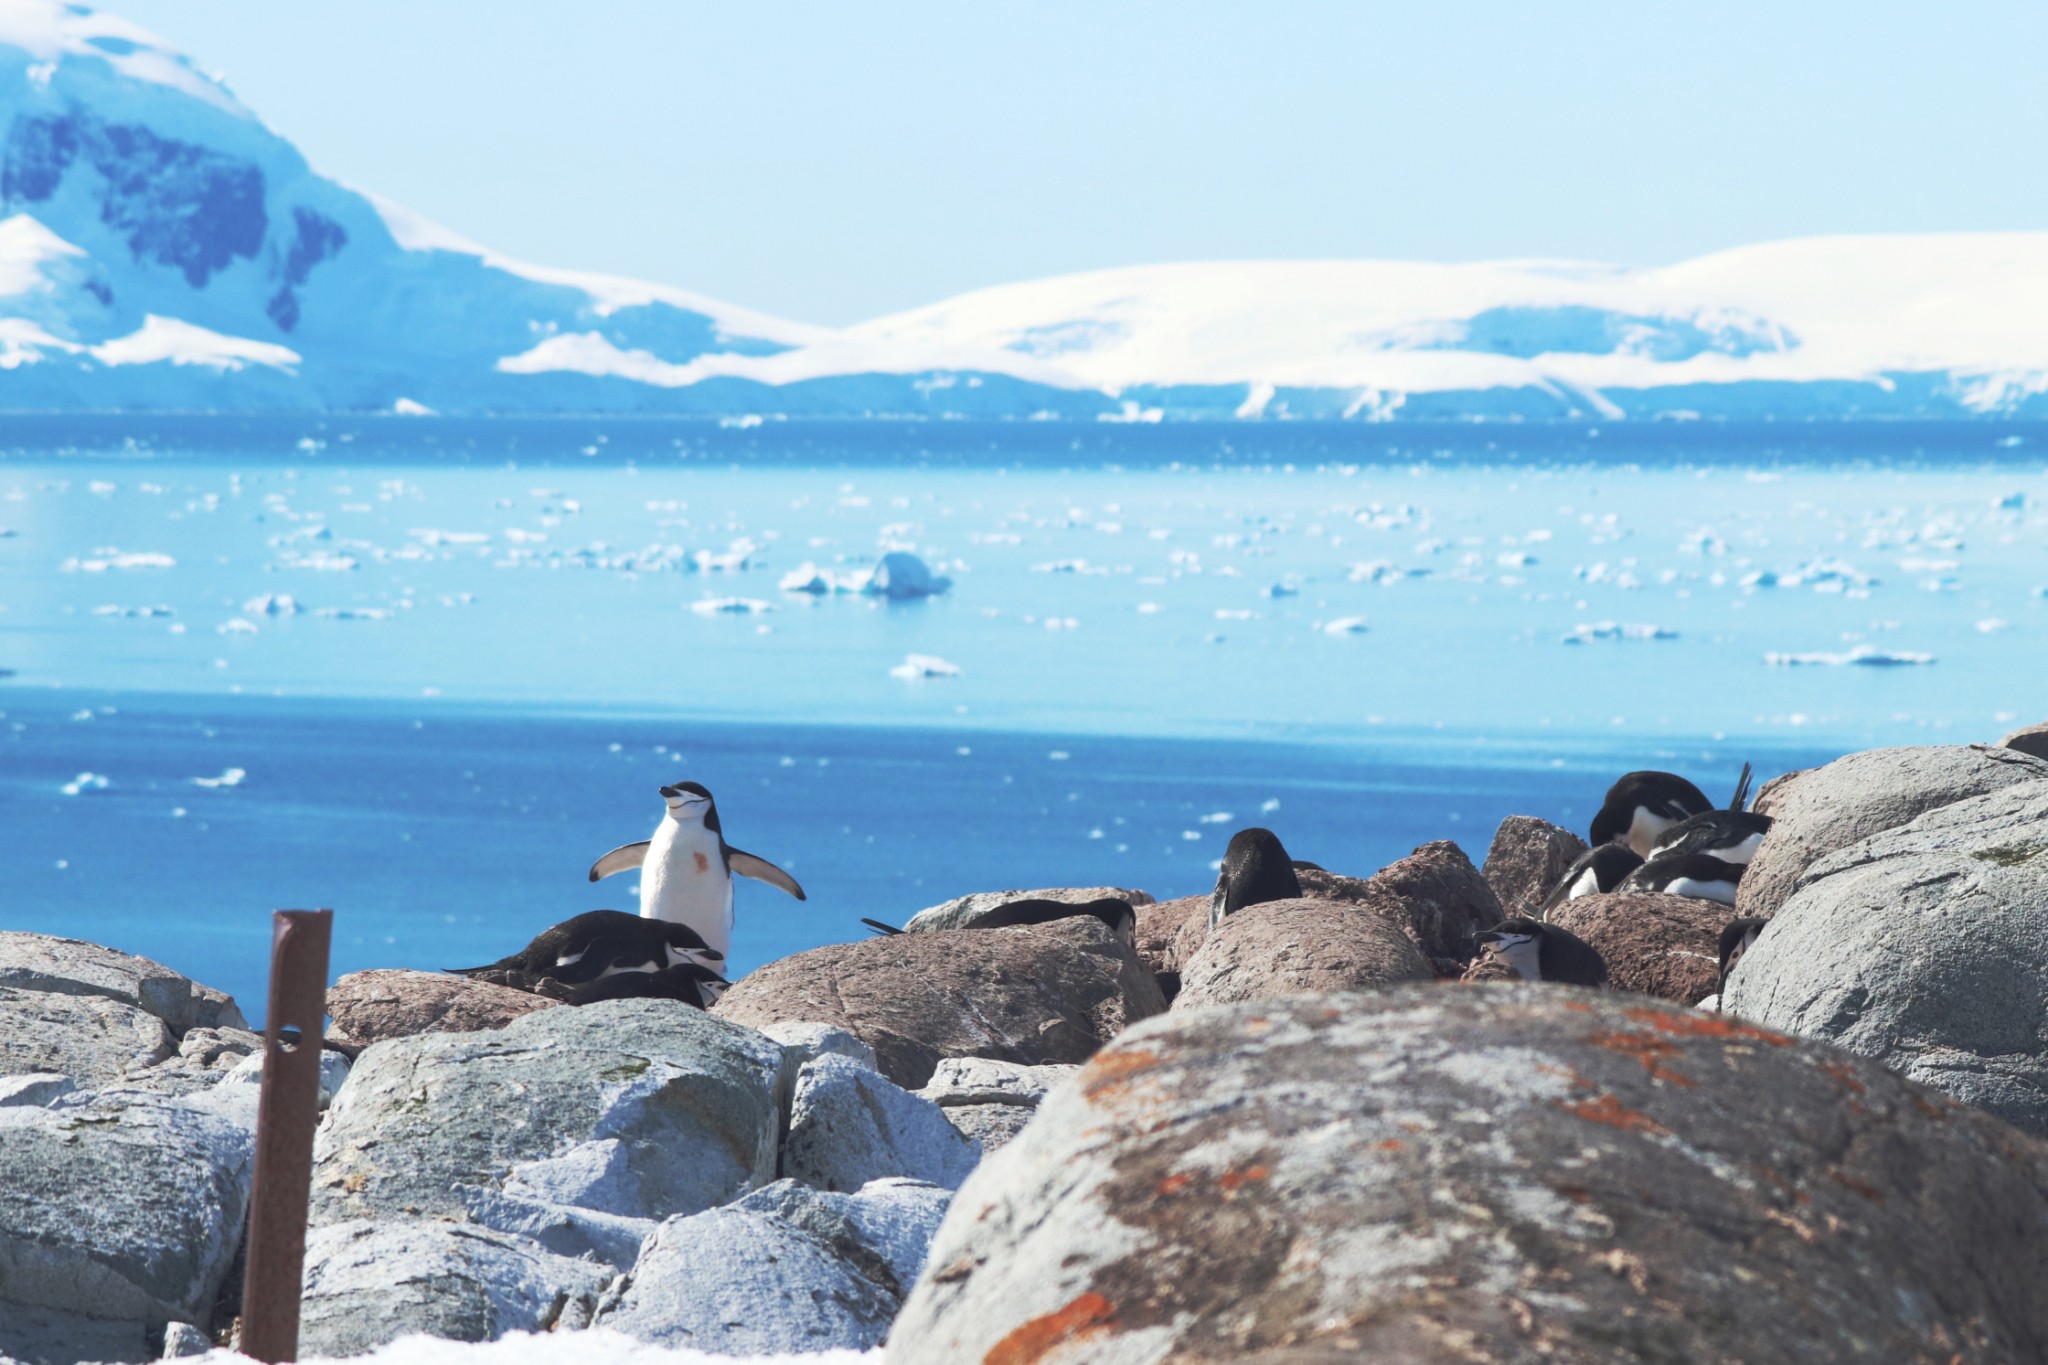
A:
(285, 1118)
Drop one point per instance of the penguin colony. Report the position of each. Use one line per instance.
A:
(1654, 832)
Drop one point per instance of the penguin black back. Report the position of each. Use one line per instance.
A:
(1733, 836)
(1640, 805)
(1600, 868)
(590, 944)
(1114, 912)
(1256, 869)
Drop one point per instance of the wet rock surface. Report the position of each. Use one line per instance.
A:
(1034, 994)
(1427, 1174)
(1666, 946)
(376, 1006)
(1867, 793)
(1925, 946)
(1525, 862)
(1296, 947)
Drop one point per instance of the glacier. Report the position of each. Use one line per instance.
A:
(162, 249)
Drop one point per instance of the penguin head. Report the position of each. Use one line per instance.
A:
(1256, 869)
(1519, 943)
(688, 802)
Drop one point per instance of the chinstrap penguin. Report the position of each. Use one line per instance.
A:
(1598, 869)
(1733, 836)
(1735, 941)
(687, 867)
(1698, 875)
(1256, 869)
(1115, 913)
(601, 943)
(1642, 805)
(1544, 952)
(688, 982)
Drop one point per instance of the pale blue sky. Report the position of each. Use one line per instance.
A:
(831, 161)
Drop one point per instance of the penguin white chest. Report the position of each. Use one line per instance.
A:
(1646, 829)
(684, 881)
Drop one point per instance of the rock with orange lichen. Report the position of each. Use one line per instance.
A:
(1431, 1175)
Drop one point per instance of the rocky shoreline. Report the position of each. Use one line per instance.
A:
(1295, 1137)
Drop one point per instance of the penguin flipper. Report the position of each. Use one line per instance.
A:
(877, 927)
(761, 870)
(621, 859)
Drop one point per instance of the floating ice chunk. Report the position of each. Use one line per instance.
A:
(85, 782)
(734, 606)
(1216, 817)
(1153, 608)
(902, 576)
(1586, 633)
(1283, 590)
(2011, 502)
(237, 626)
(271, 604)
(808, 577)
(1514, 559)
(1346, 625)
(1383, 572)
(1231, 614)
(433, 537)
(744, 422)
(406, 407)
(1061, 623)
(231, 777)
(103, 560)
(323, 561)
(1073, 566)
(354, 613)
(732, 559)
(133, 611)
(924, 666)
(1992, 625)
(1864, 656)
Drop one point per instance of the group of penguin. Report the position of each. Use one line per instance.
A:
(1655, 832)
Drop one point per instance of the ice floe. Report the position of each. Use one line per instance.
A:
(231, 777)
(730, 606)
(1865, 656)
(1586, 633)
(85, 782)
(924, 666)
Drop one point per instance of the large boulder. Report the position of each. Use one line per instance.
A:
(1295, 947)
(1925, 947)
(1529, 857)
(742, 1281)
(582, 1107)
(69, 966)
(1483, 1174)
(375, 1006)
(1654, 944)
(2030, 739)
(1036, 993)
(1160, 925)
(120, 1206)
(962, 911)
(1317, 884)
(882, 1230)
(991, 1102)
(371, 1281)
(1441, 900)
(849, 1125)
(1863, 794)
(90, 1038)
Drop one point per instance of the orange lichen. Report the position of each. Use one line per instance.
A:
(1174, 1184)
(1392, 1145)
(1700, 1025)
(1611, 1111)
(1862, 1187)
(1231, 1181)
(1648, 1049)
(1108, 1071)
(1086, 1316)
(1845, 1077)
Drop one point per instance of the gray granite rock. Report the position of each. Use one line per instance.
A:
(564, 1229)
(94, 1039)
(736, 1281)
(205, 1057)
(848, 1126)
(120, 1205)
(1926, 947)
(369, 1282)
(990, 1101)
(883, 1230)
(962, 911)
(804, 1040)
(587, 1107)
(69, 966)
(1438, 1174)
(1036, 993)
(35, 1087)
(2028, 739)
(1867, 793)
(334, 1069)
(31, 1334)
(182, 1339)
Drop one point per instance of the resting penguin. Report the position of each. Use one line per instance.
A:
(1735, 941)
(688, 866)
(602, 943)
(1642, 806)
(1597, 869)
(1733, 836)
(1256, 869)
(1544, 952)
(1699, 875)
(1113, 911)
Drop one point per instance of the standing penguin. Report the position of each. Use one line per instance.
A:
(1256, 869)
(1642, 805)
(687, 867)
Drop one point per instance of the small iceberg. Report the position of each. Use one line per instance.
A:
(1346, 625)
(1862, 656)
(271, 604)
(903, 577)
(85, 782)
(916, 666)
(232, 777)
(731, 606)
(236, 626)
(1587, 633)
(354, 613)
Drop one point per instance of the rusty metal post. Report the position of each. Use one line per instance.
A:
(285, 1118)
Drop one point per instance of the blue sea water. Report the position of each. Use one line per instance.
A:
(505, 635)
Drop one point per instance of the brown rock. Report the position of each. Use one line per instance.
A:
(1489, 967)
(369, 1007)
(1033, 994)
(1160, 926)
(1773, 791)
(1297, 947)
(1432, 1176)
(2031, 740)
(1666, 946)
(1440, 899)
(1528, 858)
(1863, 794)
(1317, 884)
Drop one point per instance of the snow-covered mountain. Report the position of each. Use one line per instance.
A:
(161, 248)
